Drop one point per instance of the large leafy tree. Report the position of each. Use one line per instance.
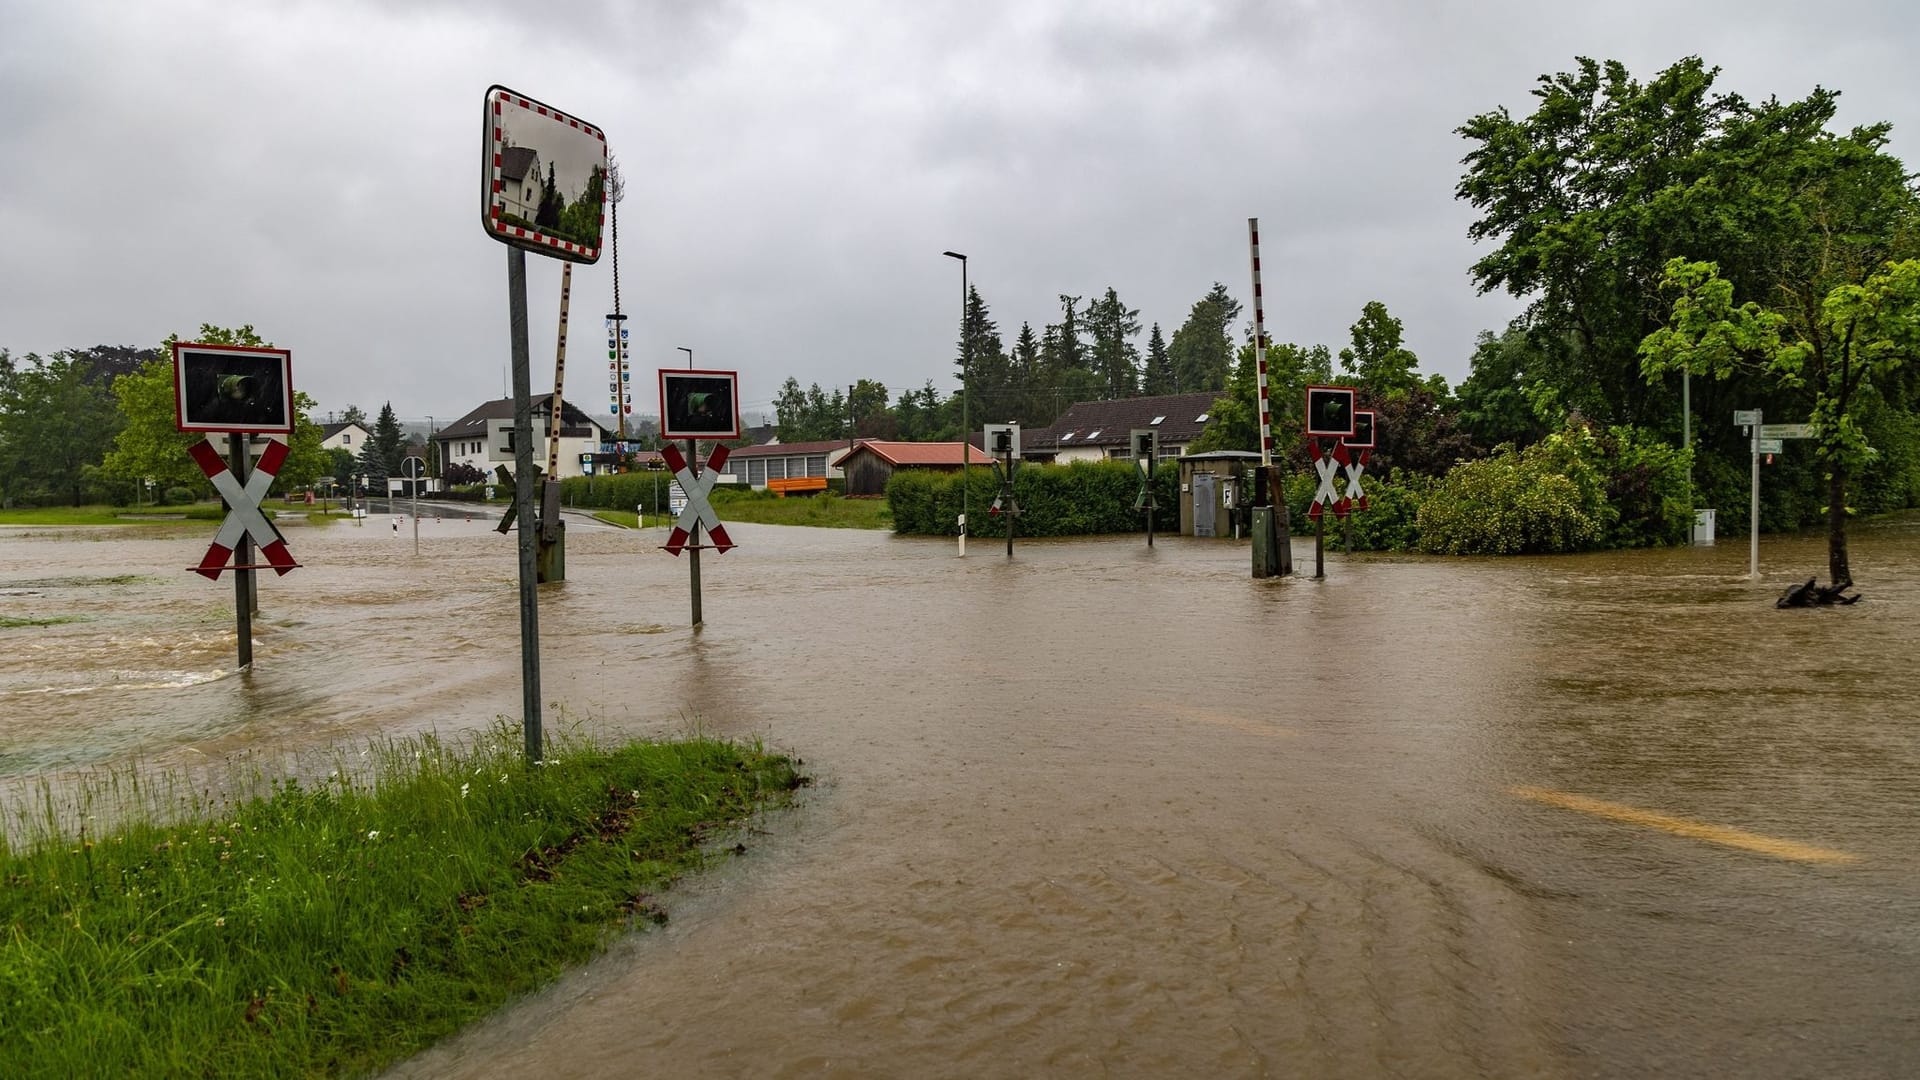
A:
(149, 446)
(1236, 415)
(56, 420)
(1590, 195)
(1378, 359)
(1503, 399)
(1202, 352)
(1833, 348)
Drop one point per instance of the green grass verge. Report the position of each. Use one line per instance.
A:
(314, 930)
(115, 515)
(822, 511)
(11, 622)
(626, 519)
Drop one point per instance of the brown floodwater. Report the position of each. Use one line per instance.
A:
(1110, 811)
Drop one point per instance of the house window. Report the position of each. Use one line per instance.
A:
(756, 472)
(1067, 436)
(346, 439)
(1201, 419)
(1094, 434)
(777, 468)
(1156, 421)
(817, 465)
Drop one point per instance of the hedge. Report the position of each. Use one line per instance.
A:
(1078, 499)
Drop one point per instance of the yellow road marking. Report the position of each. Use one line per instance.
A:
(1697, 830)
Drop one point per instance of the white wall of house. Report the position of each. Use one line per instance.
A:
(487, 454)
(350, 438)
(757, 469)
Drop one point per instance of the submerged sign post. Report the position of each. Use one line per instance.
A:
(696, 405)
(242, 392)
(543, 182)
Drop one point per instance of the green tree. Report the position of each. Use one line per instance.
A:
(354, 415)
(1158, 377)
(56, 421)
(149, 446)
(1377, 359)
(872, 418)
(388, 441)
(1115, 359)
(810, 415)
(1502, 399)
(1835, 350)
(1236, 415)
(1202, 352)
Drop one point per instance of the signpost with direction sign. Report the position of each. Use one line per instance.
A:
(1765, 440)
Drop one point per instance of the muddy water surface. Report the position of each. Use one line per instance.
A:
(1109, 811)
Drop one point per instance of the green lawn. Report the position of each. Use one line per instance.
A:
(115, 515)
(334, 927)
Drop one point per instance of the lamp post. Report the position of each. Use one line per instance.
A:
(689, 353)
(966, 366)
(433, 451)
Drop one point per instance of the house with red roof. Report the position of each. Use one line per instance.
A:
(871, 462)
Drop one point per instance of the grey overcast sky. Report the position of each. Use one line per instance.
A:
(795, 169)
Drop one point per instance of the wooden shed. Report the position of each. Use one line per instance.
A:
(870, 464)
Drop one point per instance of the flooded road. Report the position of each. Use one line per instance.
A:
(1106, 811)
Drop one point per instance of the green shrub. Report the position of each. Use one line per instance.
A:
(178, 496)
(1507, 504)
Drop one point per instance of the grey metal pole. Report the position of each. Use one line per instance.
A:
(1150, 506)
(1011, 519)
(693, 552)
(523, 503)
(416, 515)
(966, 425)
(1753, 543)
(242, 556)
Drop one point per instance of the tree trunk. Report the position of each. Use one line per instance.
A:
(1837, 572)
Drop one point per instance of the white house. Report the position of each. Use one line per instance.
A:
(1097, 430)
(483, 438)
(520, 181)
(348, 436)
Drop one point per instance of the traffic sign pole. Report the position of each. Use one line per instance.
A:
(1753, 543)
(523, 504)
(243, 555)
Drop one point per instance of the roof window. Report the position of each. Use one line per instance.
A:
(1201, 419)
(1094, 434)
(1156, 421)
(1067, 436)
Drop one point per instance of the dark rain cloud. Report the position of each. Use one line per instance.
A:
(795, 170)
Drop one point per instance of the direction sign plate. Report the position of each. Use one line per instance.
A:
(1772, 446)
(1746, 417)
(1786, 431)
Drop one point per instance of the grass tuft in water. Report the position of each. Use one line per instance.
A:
(338, 925)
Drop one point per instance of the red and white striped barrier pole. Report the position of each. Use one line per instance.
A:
(1260, 345)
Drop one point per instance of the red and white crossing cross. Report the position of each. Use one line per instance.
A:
(1328, 468)
(1355, 468)
(243, 509)
(699, 509)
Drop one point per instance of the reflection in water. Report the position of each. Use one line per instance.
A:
(1106, 810)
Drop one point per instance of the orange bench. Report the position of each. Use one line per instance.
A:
(802, 484)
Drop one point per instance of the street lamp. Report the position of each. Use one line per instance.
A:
(689, 353)
(433, 451)
(966, 365)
